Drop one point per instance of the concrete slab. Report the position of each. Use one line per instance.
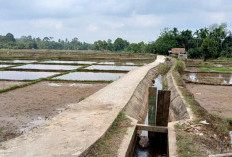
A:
(73, 131)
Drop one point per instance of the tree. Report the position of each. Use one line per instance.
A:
(186, 38)
(120, 44)
(165, 42)
(195, 53)
(9, 37)
(209, 48)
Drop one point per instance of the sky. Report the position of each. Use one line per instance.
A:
(91, 20)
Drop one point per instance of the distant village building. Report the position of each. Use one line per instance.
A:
(180, 52)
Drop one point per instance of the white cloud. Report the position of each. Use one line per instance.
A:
(48, 23)
(133, 20)
(92, 28)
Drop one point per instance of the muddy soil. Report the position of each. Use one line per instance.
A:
(25, 108)
(215, 99)
(7, 84)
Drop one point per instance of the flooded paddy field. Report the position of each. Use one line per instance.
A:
(31, 105)
(24, 75)
(215, 99)
(47, 67)
(111, 67)
(129, 63)
(90, 76)
(17, 61)
(209, 78)
(68, 62)
(4, 66)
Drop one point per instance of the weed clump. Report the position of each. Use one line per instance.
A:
(180, 66)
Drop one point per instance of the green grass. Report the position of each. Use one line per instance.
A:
(82, 98)
(224, 59)
(110, 143)
(180, 66)
(187, 147)
(220, 69)
(229, 120)
(163, 69)
(164, 83)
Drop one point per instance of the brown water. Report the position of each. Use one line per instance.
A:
(216, 78)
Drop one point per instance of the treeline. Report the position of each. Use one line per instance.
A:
(27, 42)
(212, 42)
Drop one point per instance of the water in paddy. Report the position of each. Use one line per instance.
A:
(151, 151)
(121, 63)
(3, 66)
(82, 76)
(111, 67)
(47, 67)
(216, 78)
(24, 75)
(18, 61)
(68, 62)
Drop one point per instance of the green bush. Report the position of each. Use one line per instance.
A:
(180, 66)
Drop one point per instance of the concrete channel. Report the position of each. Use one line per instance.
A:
(74, 131)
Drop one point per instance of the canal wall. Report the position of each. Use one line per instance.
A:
(74, 131)
(137, 105)
(178, 107)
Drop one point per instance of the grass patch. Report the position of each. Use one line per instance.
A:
(110, 143)
(229, 120)
(180, 66)
(224, 59)
(187, 146)
(220, 69)
(82, 98)
(163, 69)
(164, 83)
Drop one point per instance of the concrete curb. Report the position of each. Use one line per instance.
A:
(127, 143)
(172, 147)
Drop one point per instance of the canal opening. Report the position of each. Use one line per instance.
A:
(152, 138)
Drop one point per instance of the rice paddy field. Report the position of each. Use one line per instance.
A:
(36, 86)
